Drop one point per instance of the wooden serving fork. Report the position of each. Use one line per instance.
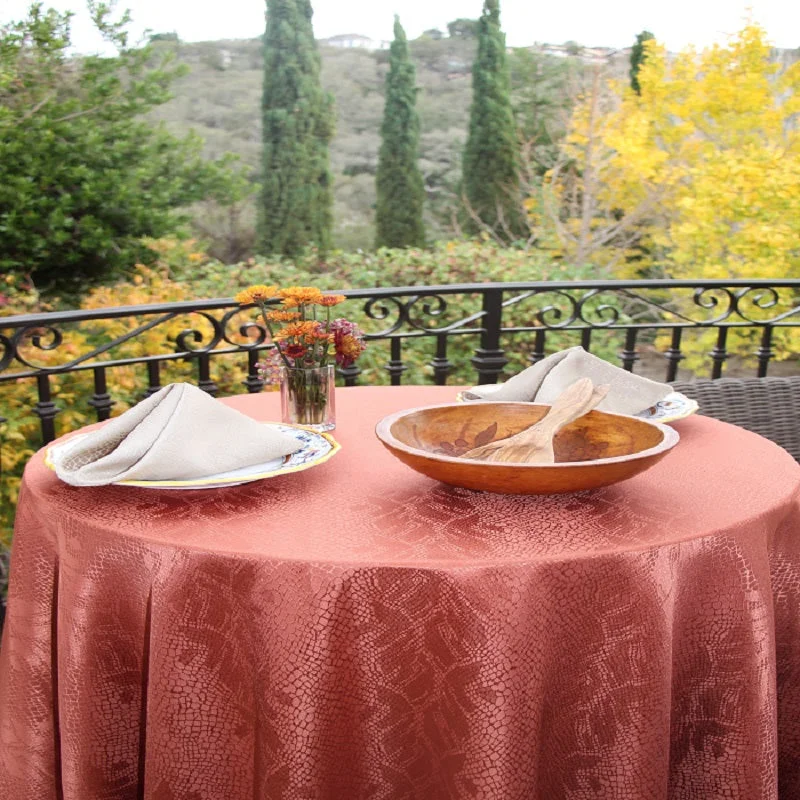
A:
(534, 445)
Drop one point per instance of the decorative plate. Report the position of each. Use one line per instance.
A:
(673, 407)
(317, 448)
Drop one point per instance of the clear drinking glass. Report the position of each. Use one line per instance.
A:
(308, 397)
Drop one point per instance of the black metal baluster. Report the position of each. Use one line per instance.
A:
(395, 367)
(674, 355)
(765, 352)
(45, 409)
(254, 382)
(350, 374)
(441, 366)
(204, 375)
(153, 377)
(586, 339)
(538, 346)
(720, 353)
(629, 355)
(101, 400)
(490, 358)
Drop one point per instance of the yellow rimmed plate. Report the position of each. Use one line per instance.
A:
(673, 407)
(317, 449)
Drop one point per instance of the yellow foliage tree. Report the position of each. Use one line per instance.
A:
(713, 139)
(586, 201)
(717, 134)
(695, 177)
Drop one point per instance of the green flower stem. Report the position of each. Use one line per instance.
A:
(263, 310)
(309, 400)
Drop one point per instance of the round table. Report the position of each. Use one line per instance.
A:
(360, 631)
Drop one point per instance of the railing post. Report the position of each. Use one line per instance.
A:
(395, 367)
(674, 355)
(204, 375)
(538, 346)
(253, 381)
(46, 409)
(441, 365)
(153, 378)
(101, 400)
(350, 374)
(719, 355)
(628, 355)
(490, 358)
(764, 353)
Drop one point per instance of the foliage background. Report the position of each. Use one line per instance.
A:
(697, 177)
(219, 99)
(83, 174)
(184, 272)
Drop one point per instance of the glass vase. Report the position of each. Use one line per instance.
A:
(308, 397)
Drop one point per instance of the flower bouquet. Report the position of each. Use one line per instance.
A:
(308, 346)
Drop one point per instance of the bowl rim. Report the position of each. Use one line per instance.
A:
(670, 437)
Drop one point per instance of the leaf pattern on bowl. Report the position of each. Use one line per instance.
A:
(486, 435)
(462, 445)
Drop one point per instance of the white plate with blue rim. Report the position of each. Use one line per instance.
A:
(316, 449)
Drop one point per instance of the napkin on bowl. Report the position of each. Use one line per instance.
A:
(179, 433)
(544, 382)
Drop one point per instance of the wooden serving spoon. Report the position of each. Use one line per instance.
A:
(534, 445)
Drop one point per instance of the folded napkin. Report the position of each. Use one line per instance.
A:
(544, 382)
(179, 433)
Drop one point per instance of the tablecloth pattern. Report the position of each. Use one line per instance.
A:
(358, 631)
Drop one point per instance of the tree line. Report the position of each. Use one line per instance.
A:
(84, 177)
(490, 183)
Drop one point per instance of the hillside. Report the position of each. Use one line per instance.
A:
(220, 100)
(221, 95)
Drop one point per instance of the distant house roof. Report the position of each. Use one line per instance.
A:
(349, 40)
(340, 37)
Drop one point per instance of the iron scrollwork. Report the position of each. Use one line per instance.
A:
(377, 308)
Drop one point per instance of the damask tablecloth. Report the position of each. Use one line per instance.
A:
(360, 632)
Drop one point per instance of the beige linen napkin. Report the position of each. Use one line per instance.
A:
(544, 382)
(179, 433)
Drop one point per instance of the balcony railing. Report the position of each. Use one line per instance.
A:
(496, 319)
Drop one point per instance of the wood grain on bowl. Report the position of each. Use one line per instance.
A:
(597, 450)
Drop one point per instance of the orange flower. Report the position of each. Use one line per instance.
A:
(300, 296)
(350, 347)
(255, 294)
(296, 330)
(283, 316)
(295, 351)
(331, 300)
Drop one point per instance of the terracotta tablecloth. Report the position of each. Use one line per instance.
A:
(358, 631)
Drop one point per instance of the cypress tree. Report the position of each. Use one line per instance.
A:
(399, 184)
(297, 197)
(638, 56)
(491, 156)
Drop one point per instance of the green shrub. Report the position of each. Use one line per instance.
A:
(83, 175)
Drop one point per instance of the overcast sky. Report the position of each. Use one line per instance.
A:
(613, 23)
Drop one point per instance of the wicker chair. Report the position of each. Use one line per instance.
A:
(768, 406)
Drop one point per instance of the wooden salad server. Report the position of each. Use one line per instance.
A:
(534, 445)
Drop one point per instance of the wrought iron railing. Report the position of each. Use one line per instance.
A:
(534, 317)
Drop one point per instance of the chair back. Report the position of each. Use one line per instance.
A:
(768, 406)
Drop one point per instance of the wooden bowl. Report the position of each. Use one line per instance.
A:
(596, 450)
